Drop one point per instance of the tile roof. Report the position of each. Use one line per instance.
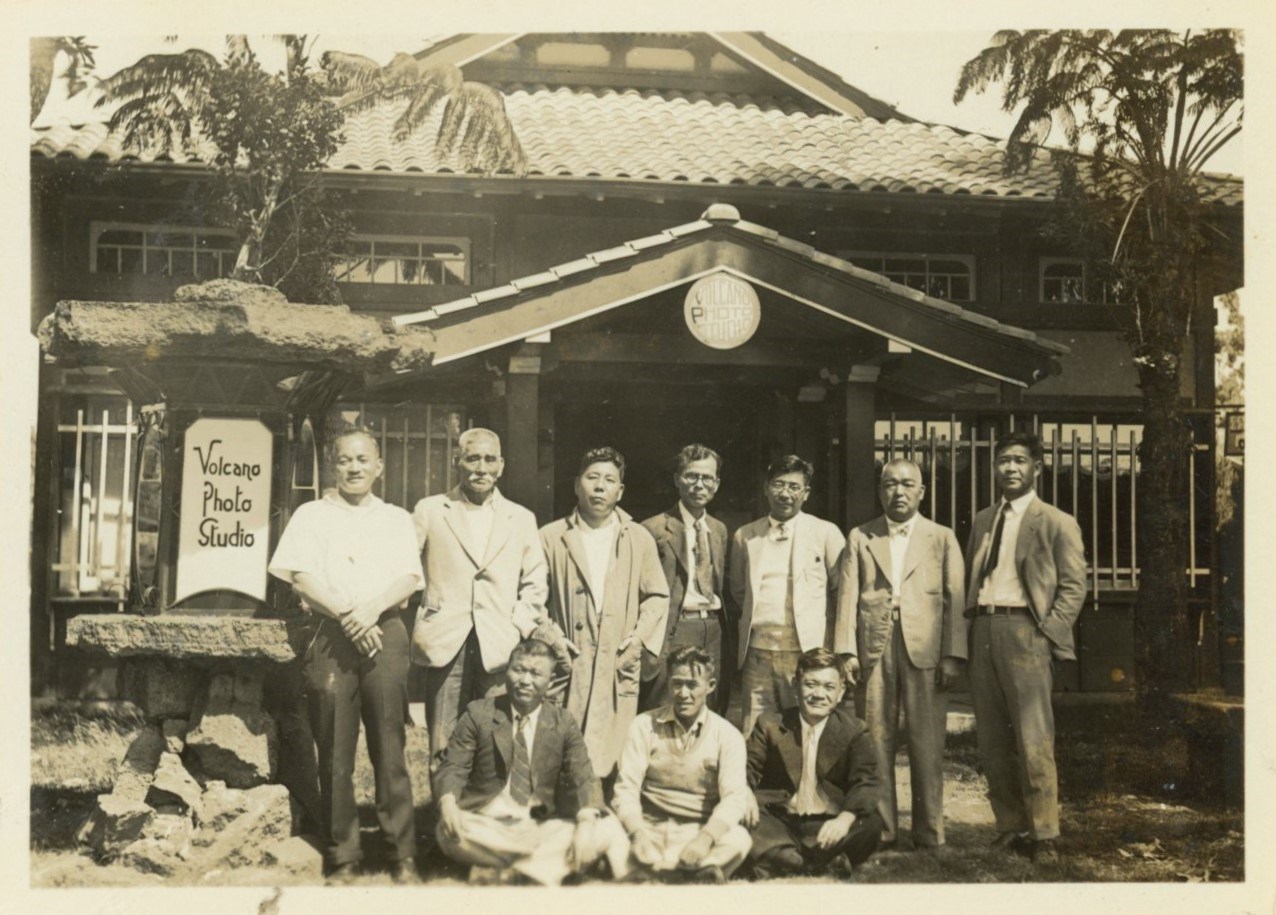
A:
(719, 215)
(693, 138)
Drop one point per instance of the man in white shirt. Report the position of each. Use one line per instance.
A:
(784, 572)
(516, 790)
(485, 584)
(1025, 588)
(814, 772)
(681, 792)
(352, 559)
(902, 633)
(693, 554)
(607, 605)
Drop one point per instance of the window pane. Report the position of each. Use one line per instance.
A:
(398, 249)
(383, 271)
(170, 240)
(957, 267)
(157, 262)
(905, 265)
(454, 273)
(206, 265)
(119, 237)
(182, 263)
(959, 288)
(130, 260)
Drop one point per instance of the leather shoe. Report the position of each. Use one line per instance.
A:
(782, 862)
(342, 874)
(1045, 851)
(404, 871)
(1010, 841)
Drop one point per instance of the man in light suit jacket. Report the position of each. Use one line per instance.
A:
(693, 553)
(901, 629)
(784, 571)
(607, 605)
(516, 790)
(485, 584)
(1026, 586)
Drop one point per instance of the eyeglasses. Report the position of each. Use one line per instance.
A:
(691, 479)
(778, 486)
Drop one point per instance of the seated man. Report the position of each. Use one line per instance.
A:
(681, 791)
(515, 771)
(814, 772)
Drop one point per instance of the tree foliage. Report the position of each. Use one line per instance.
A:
(474, 126)
(270, 133)
(43, 56)
(1142, 113)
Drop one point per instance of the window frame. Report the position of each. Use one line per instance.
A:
(970, 260)
(1045, 261)
(464, 242)
(98, 228)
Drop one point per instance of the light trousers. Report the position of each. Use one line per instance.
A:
(537, 849)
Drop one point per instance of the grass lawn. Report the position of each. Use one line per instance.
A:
(1126, 816)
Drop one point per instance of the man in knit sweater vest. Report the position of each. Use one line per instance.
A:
(682, 792)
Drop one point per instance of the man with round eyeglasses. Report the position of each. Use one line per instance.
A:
(784, 570)
(693, 552)
(486, 583)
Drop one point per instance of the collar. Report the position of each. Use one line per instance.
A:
(901, 527)
(618, 517)
(458, 495)
(333, 497)
(772, 523)
(532, 717)
(812, 731)
(665, 715)
(690, 520)
(1020, 505)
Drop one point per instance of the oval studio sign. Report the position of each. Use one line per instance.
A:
(722, 311)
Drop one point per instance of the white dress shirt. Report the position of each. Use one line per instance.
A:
(901, 532)
(478, 525)
(773, 627)
(1003, 588)
(599, 546)
(810, 797)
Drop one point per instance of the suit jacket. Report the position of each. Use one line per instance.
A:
(1050, 558)
(476, 765)
(499, 594)
(845, 763)
(669, 532)
(603, 692)
(931, 590)
(817, 556)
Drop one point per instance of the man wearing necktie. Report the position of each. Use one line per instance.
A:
(693, 547)
(518, 797)
(813, 770)
(783, 572)
(902, 635)
(1026, 587)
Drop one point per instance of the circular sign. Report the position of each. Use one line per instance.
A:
(722, 311)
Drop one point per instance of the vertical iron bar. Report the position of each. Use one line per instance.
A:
(1094, 504)
(75, 502)
(126, 501)
(934, 461)
(1116, 461)
(952, 470)
(1134, 517)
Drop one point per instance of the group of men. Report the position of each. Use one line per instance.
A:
(578, 676)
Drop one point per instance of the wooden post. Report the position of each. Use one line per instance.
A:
(522, 411)
(858, 445)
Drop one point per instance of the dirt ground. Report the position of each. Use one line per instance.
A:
(1125, 817)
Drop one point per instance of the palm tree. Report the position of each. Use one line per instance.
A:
(1149, 109)
(44, 53)
(474, 126)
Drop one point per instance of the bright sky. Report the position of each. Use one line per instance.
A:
(913, 71)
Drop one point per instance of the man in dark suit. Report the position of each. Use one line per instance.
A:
(814, 772)
(1025, 588)
(693, 551)
(513, 777)
(902, 632)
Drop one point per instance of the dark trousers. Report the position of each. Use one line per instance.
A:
(343, 688)
(705, 634)
(778, 829)
(450, 688)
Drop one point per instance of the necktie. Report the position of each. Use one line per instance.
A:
(704, 567)
(780, 531)
(990, 561)
(521, 770)
(807, 799)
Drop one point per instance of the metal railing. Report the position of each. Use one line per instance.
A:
(1090, 469)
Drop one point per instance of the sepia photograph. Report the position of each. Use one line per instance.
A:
(788, 459)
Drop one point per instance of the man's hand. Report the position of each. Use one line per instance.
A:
(695, 850)
(751, 813)
(948, 671)
(835, 830)
(369, 643)
(851, 667)
(450, 816)
(644, 849)
(583, 844)
(362, 617)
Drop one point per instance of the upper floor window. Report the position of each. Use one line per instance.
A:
(161, 250)
(1064, 280)
(405, 260)
(944, 276)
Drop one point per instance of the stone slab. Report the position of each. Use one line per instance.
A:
(130, 635)
(135, 772)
